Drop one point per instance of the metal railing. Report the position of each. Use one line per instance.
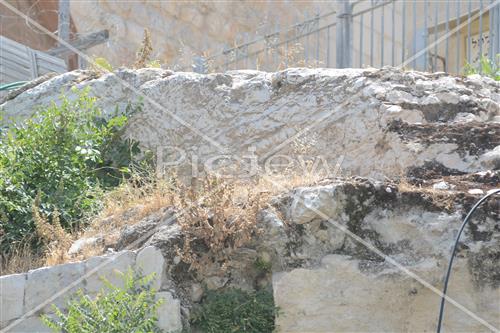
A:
(431, 35)
(426, 35)
(297, 45)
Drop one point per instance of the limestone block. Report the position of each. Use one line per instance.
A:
(11, 296)
(150, 260)
(261, 110)
(52, 285)
(308, 203)
(491, 159)
(108, 267)
(169, 313)
(28, 325)
(341, 296)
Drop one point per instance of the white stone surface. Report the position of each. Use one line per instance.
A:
(209, 115)
(108, 267)
(169, 313)
(309, 201)
(355, 292)
(28, 325)
(79, 245)
(340, 297)
(51, 285)
(150, 260)
(425, 234)
(11, 296)
(475, 191)
(491, 159)
(441, 186)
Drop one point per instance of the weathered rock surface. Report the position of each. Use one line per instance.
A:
(169, 318)
(12, 296)
(380, 121)
(150, 261)
(325, 287)
(44, 284)
(339, 255)
(340, 296)
(338, 249)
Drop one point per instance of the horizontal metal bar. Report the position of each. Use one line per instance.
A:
(283, 42)
(361, 12)
(255, 41)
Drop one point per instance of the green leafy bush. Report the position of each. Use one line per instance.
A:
(64, 156)
(486, 67)
(234, 311)
(132, 308)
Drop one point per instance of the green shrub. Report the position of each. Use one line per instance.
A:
(486, 67)
(263, 266)
(132, 308)
(64, 156)
(234, 311)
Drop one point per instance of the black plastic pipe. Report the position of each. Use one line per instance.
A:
(447, 278)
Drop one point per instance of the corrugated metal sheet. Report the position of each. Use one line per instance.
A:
(19, 62)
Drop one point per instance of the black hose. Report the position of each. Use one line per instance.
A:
(466, 220)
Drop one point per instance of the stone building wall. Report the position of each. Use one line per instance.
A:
(181, 30)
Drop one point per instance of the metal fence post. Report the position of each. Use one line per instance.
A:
(344, 34)
(494, 32)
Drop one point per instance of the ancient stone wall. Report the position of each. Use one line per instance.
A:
(429, 143)
(24, 297)
(377, 122)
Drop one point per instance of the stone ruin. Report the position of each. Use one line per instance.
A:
(439, 133)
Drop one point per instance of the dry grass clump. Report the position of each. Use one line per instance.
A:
(55, 242)
(145, 51)
(21, 259)
(216, 216)
(293, 56)
(215, 221)
(145, 193)
(139, 196)
(439, 198)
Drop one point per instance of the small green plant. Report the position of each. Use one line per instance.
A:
(132, 308)
(154, 64)
(237, 311)
(101, 64)
(65, 155)
(263, 266)
(486, 67)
